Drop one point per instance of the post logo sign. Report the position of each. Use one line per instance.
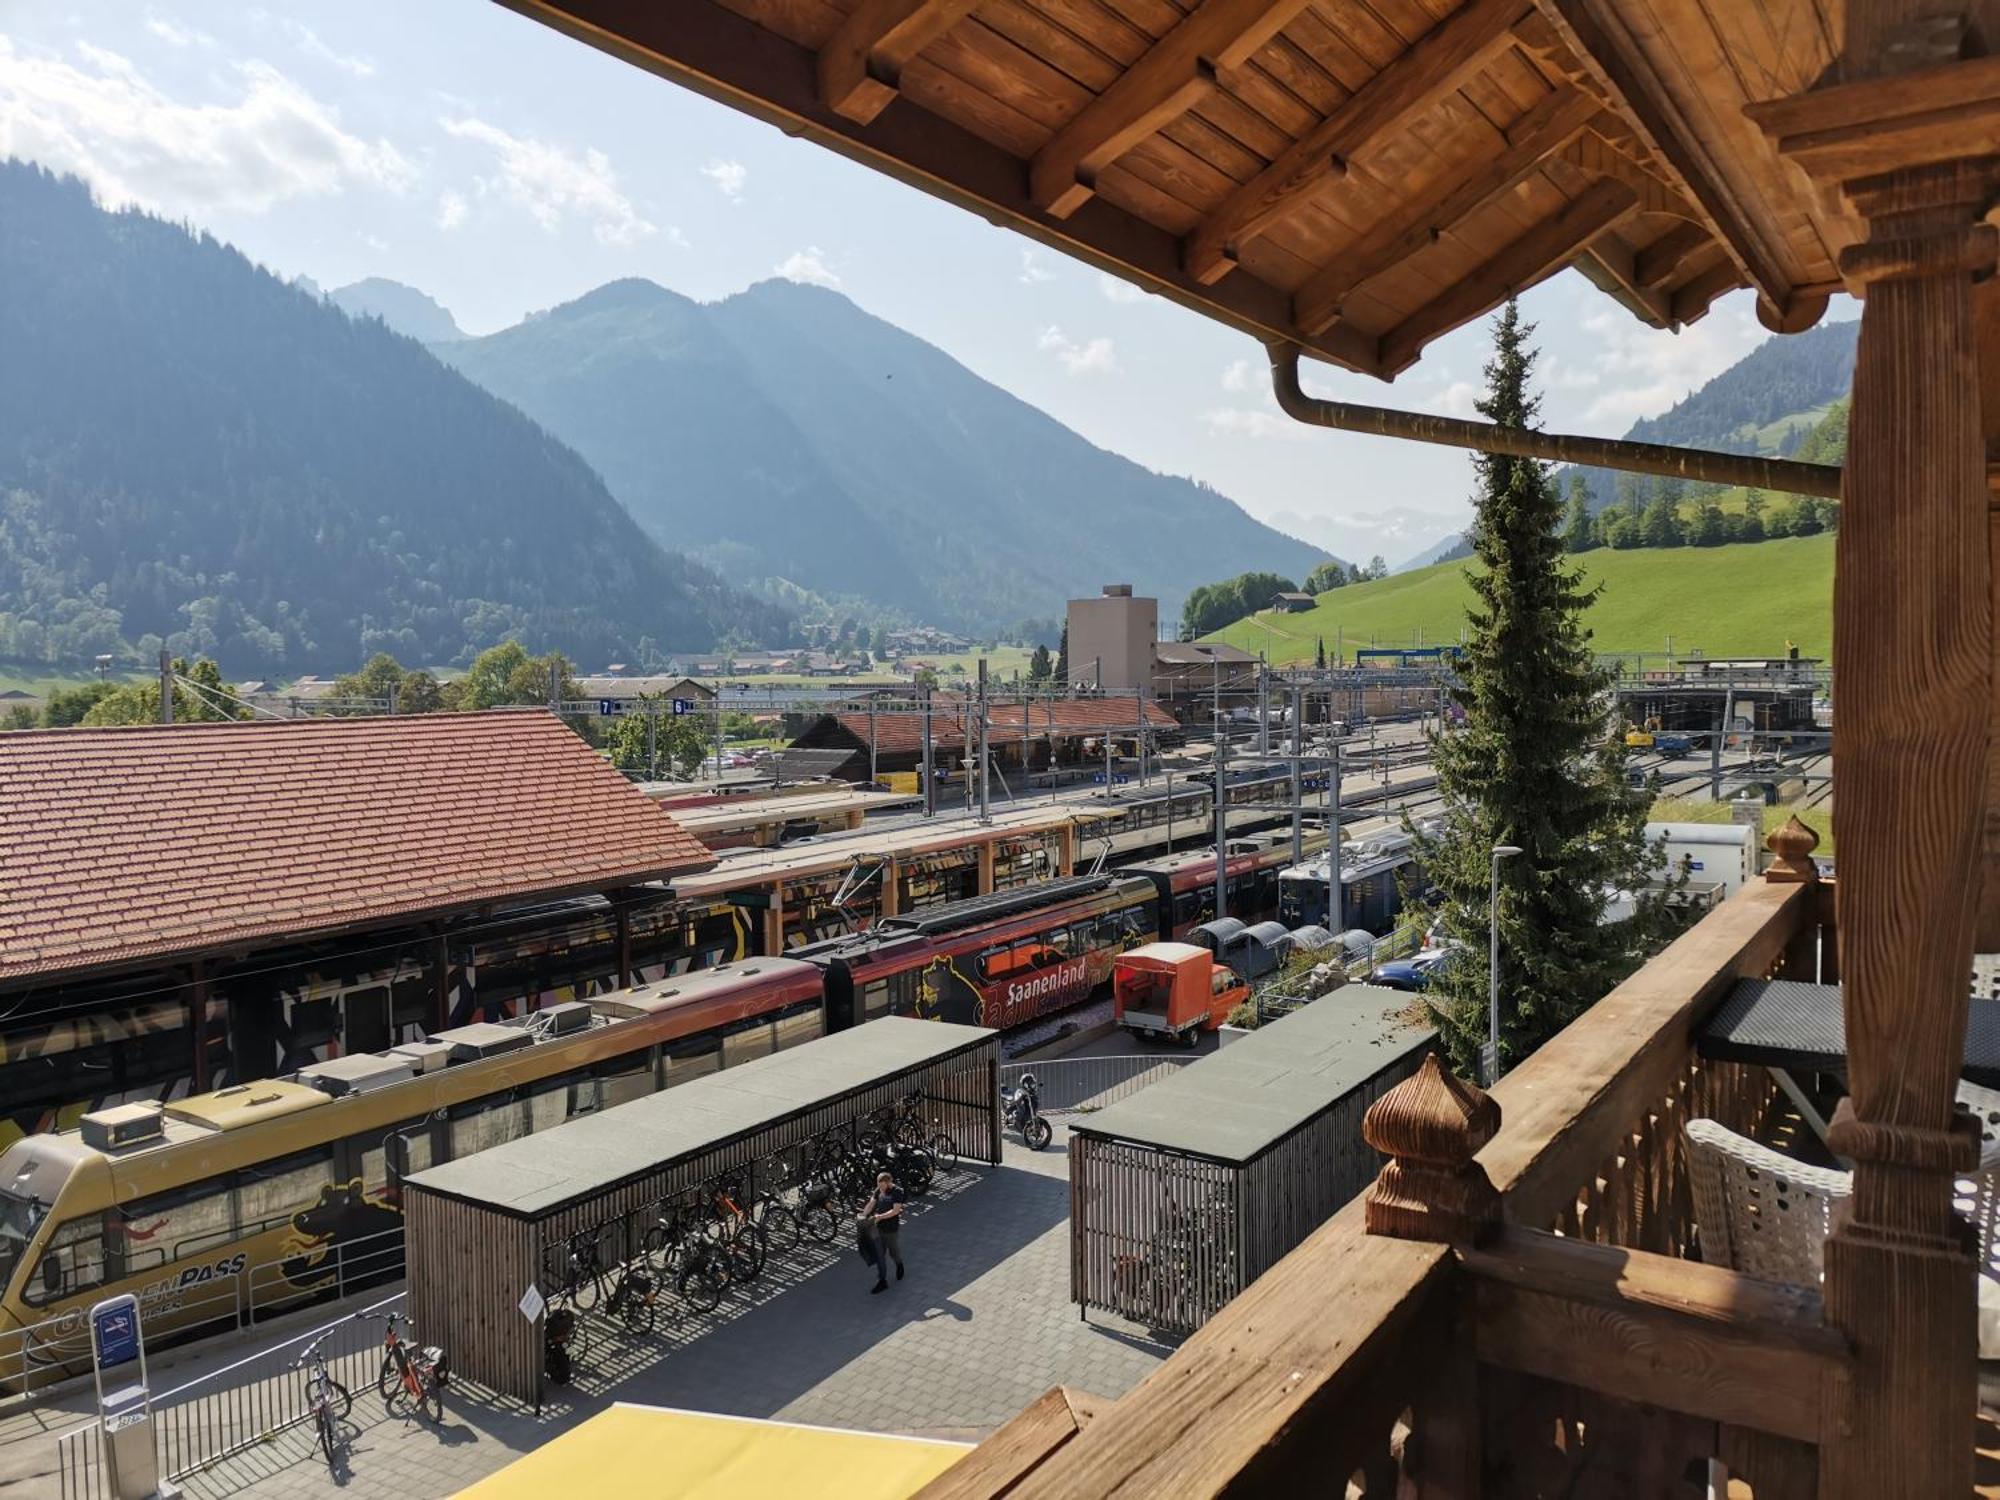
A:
(114, 1331)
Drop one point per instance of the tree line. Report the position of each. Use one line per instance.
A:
(1211, 606)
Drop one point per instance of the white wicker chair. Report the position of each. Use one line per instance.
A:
(1764, 1214)
(1759, 1211)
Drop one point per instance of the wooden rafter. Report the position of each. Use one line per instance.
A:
(1540, 252)
(729, 57)
(1589, 31)
(1435, 65)
(1712, 273)
(1175, 75)
(1616, 270)
(1538, 134)
(1655, 265)
(1592, 154)
(861, 62)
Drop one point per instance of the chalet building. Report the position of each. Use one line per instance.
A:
(191, 904)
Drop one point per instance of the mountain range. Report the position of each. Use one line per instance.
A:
(198, 455)
(785, 434)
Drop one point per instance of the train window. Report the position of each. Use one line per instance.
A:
(485, 1124)
(271, 1192)
(994, 963)
(1188, 906)
(693, 1056)
(401, 1151)
(550, 1101)
(800, 1025)
(875, 1000)
(754, 1040)
(73, 1261)
(1062, 944)
(166, 1226)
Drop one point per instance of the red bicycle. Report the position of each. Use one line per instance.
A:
(413, 1376)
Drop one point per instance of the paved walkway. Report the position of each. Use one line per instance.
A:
(981, 1327)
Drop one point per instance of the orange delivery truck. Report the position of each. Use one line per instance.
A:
(1174, 991)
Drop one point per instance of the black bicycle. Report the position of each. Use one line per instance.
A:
(632, 1298)
(328, 1400)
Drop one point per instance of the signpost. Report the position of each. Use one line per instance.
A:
(125, 1412)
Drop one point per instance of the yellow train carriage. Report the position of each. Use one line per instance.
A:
(228, 1207)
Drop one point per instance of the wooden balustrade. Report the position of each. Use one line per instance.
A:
(1569, 1353)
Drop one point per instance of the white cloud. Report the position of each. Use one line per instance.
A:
(1117, 290)
(676, 238)
(1034, 269)
(1642, 371)
(551, 184)
(175, 35)
(1098, 356)
(102, 119)
(729, 177)
(1236, 376)
(1237, 421)
(808, 265)
(374, 242)
(308, 41)
(1455, 400)
(451, 209)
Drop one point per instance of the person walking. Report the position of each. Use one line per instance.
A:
(883, 1213)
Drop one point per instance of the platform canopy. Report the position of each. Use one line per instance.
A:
(1355, 176)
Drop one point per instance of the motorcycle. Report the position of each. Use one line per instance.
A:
(1021, 1109)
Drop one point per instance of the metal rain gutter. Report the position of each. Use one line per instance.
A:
(1782, 474)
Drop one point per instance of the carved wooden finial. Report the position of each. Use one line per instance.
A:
(1429, 1126)
(1791, 853)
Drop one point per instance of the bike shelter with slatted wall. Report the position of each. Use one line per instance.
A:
(1185, 1192)
(476, 1227)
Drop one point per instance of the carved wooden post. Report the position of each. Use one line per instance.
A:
(1429, 1126)
(1907, 131)
(1791, 849)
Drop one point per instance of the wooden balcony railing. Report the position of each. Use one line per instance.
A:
(1560, 1344)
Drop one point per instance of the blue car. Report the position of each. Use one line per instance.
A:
(1413, 973)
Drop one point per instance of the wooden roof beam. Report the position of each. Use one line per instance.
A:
(861, 64)
(1591, 33)
(1654, 266)
(1176, 74)
(1540, 252)
(1435, 65)
(1537, 135)
(1617, 269)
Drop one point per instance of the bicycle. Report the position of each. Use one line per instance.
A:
(632, 1299)
(742, 1239)
(323, 1395)
(417, 1376)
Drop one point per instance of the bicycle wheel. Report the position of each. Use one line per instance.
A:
(390, 1377)
(819, 1222)
(430, 1403)
(702, 1282)
(639, 1313)
(913, 1170)
(777, 1223)
(323, 1415)
(584, 1287)
(747, 1251)
(944, 1150)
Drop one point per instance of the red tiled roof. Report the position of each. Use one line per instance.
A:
(119, 844)
(903, 729)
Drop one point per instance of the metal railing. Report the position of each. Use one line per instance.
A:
(226, 1411)
(1075, 1085)
(42, 1355)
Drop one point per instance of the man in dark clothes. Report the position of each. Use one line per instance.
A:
(884, 1213)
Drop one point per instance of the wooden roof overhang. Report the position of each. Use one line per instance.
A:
(1357, 177)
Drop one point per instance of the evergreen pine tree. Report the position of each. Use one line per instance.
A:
(1534, 765)
(1579, 531)
(1062, 659)
(1319, 660)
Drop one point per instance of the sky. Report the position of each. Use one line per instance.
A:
(503, 168)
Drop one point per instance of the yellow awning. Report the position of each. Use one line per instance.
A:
(659, 1452)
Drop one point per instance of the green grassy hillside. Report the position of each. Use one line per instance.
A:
(1721, 601)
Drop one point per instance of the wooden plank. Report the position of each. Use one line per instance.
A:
(1651, 1329)
(1536, 254)
(1655, 265)
(1564, 1109)
(1435, 66)
(860, 65)
(1692, 298)
(1177, 73)
(1017, 1448)
(723, 56)
(1591, 31)
(1543, 130)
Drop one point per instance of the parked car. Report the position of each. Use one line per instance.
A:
(1673, 746)
(1412, 973)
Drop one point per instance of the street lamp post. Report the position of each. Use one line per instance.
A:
(1492, 1058)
